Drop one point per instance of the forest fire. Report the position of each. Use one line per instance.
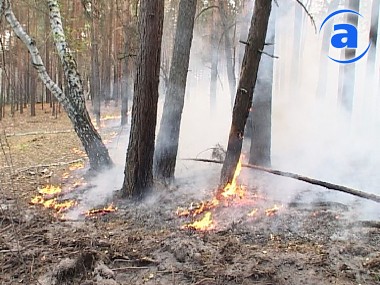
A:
(101, 212)
(50, 190)
(230, 192)
(205, 224)
(233, 194)
(48, 198)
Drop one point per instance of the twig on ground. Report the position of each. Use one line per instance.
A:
(130, 268)
(313, 181)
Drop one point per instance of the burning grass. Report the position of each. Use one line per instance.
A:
(234, 195)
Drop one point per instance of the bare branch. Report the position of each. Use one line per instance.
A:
(204, 10)
(308, 13)
(268, 54)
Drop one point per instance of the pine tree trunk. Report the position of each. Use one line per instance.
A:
(228, 51)
(95, 77)
(139, 162)
(347, 71)
(168, 136)
(214, 61)
(324, 60)
(260, 152)
(373, 38)
(244, 94)
(125, 87)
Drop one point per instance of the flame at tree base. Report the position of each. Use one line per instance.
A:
(206, 223)
(232, 194)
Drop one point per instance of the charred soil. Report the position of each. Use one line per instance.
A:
(143, 242)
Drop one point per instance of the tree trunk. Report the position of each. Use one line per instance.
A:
(260, 152)
(168, 136)
(324, 60)
(228, 51)
(95, 77)
(125, 87)
(139, 162)
(214, 61)
(295, 64)
(244, 94)
(373, 38)
(347, 71)
(73, 102)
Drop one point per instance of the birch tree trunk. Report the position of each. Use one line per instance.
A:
(168, 136)
(244, 94)
(138, 171)
(73, 102)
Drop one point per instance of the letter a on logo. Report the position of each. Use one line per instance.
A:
(348, 38)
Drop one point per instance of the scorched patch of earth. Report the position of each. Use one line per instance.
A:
(255, 239)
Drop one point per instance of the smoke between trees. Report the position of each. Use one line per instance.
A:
(310, 136)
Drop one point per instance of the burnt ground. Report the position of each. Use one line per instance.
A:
(143, 243)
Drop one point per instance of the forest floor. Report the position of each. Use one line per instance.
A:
(144, 243)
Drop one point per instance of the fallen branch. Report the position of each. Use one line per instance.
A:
(313, 181)
(45, 165)
(39, 133)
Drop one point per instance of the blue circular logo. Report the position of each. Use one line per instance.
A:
(345, 36)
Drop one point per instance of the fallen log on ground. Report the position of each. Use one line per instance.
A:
(38, 133)
(24, 169)
(313, 181)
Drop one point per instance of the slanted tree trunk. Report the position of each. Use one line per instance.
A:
(90, 138)
(139, 162)
(261, 139)
(168, 136)
(73, 102)
(244, 94)
(347, 71)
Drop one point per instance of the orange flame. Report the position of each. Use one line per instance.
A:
(272, 211)
(204, 224)
(232, 190)
(253, 212)
(50, 190)
(100, 212)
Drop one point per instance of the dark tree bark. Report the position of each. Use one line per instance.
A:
(261, 139)
(244, 94)
(347, 71)
(168, 136)
(139, 162)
